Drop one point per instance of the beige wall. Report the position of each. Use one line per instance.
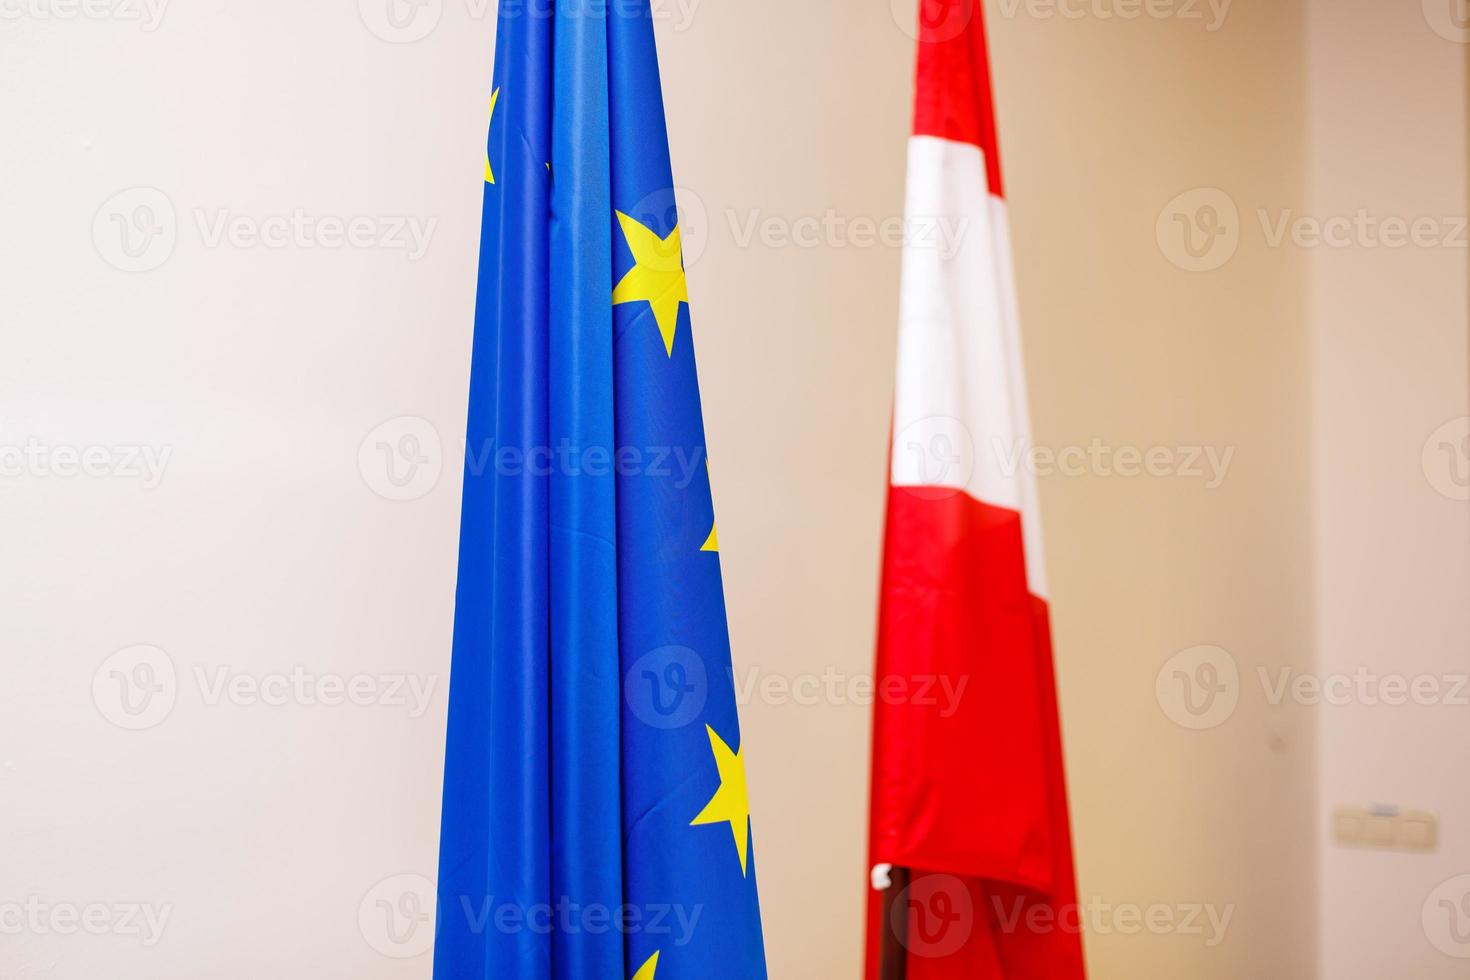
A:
(782, 114)
(1103, 123)
(1390, 329)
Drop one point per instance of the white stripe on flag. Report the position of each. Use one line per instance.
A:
(960, 416)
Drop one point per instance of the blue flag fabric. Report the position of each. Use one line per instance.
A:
(595, 822)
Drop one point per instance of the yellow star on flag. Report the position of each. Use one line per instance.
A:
(657, 276)
(646, 971)
(711, 543)
(730, 804)
(490, 174)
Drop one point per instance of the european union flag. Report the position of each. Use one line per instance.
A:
(596, 823)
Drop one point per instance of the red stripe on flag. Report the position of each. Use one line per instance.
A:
(959, 761)
(968, 786)
(953, 98)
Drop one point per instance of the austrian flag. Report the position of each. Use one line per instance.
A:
(969, 806)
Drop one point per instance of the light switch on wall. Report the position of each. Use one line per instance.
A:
(1385, 827)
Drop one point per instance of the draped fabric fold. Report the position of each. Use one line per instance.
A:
(968, 791)
(595, 820)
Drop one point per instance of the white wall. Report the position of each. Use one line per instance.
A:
(263, 548)
(1391, 331)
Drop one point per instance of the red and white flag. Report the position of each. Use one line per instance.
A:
(968, 793)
